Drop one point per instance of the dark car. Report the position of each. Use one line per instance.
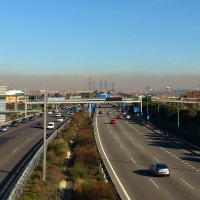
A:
(39, 125)
(31, 118)
(41, 115)
(14, 123)
(100, 112)
(24, 120)
(63, 116)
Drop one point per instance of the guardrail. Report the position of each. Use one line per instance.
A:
(19, 182)
(159, 131)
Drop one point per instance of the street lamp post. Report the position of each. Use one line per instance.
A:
(158, 112)
(148, 106)
(177, 106)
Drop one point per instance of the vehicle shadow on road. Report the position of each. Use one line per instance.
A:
(143, 172)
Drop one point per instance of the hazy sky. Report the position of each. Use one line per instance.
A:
(133, 43)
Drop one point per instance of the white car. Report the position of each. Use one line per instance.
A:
(128, 116)
(50, 125)
(58, 114)
(49, 112)
(59, 119)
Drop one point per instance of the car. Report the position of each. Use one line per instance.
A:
(59, 119)
(31, 118)
(100, 112)
(71, 113)
(50, 125)
(160, 169)
(4, 128)
(63, 116)
(113, 121)
(49, 112)
(119, 110)
(24, 120)
(41, 115)
(58, 114)
(39, 125)
(124, 114)
(128, 116)
(14, 123)
(119, 117)
(109, 113)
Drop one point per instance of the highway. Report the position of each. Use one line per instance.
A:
(128, 149)
(17, 144)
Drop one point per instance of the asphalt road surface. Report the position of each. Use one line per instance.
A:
(128, 149)
(17, 144)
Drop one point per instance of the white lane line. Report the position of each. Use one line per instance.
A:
(121, 146)
(156, 159)
(140, 147)
(153, 182)
(15, 150)
(27, 140)
(131, 138)
(9, 139)
(126, 194)
(133, 160)
(37, 133)
(187, 183)
(185, 150)
(21, 132)
(115, 138)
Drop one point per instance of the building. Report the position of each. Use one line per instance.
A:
(101, 86)
(2, 103)
(105, 85)
(15, 96)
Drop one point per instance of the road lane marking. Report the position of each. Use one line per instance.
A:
(27, 140)
(15, 150)
(140, 147)
(153, 182)
(133, 160)
(187, 183)
(185, 150)
(126, 194)
(131, 138)
(156, 159)
(37, 133)
(116, 138)
(121, 146)
(9, 139)
(21, 132)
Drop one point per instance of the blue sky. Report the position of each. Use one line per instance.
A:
(82, 38)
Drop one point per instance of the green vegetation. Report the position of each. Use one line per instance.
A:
(189, 119)
(84, 166)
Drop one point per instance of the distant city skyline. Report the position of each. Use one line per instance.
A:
(133, 44)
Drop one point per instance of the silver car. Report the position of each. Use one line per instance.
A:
(4, 128)
(160, 169)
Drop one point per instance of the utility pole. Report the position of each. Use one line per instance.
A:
(44, 139)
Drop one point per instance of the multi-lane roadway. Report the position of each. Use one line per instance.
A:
(17, 144)
(128, 149)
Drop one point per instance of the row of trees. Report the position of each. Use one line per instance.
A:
(189, 119)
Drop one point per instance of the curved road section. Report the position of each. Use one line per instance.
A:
(128, 149)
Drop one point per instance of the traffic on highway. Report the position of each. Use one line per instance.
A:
(143, 164)
(21, 140)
